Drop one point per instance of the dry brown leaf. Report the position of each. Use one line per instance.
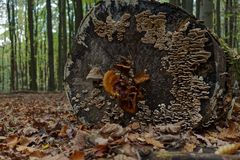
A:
(129, 150)
(230, 133)
(154, 142)
(79, 140)
(12, 141)
(24, 141)
(112, 130)
(135, 125)
(28, 131)
(189, 147)
(228, 149)
(101, 141)
(77, 155)
(63, 131)
(133, 137)
(169, 128)
(56, 157)
(100, 150)
(33, 152)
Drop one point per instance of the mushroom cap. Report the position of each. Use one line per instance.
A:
(94, 74)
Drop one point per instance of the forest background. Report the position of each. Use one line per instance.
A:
(36, 37)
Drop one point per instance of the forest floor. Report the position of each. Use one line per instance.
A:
(42, 126)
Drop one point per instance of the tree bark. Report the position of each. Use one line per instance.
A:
(218, 18)
(226, 22)
(51, 80)
(26, 67)
(13, 54)
(188, 5)
(70, 25)
(231, 23)
(32, 63)
(198, 2)
(206, 13)
(78, 9)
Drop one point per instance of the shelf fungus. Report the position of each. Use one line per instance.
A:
(120, 83)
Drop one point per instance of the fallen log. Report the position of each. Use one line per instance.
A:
(149, 62)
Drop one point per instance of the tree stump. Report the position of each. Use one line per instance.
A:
(149, 62)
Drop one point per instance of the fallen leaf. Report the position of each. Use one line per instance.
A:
(63, 131)
(112, 130)
(28, 131)
(77, 155)
(33, 152)
(79, 140)
(56, 157)
(12, 141)
(45, 146)
(154, 142)
(133, 137)
(228, 149)
(189, 147)
(232, 132)
(169, 128)
(99, 150)
(135, 125)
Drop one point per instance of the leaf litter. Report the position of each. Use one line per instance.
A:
(42, 126)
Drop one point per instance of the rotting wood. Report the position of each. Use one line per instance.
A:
(184, 62)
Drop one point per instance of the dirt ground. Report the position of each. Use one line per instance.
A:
(42, 126)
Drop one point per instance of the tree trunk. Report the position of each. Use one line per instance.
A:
(206, 12)
(218, 18)
(26, 67)
(3, 68)
(13, 54)
(70, 25)
(32, 63)
(226, 21)
(78, 13)
(231, 23)
(51, 80)
(188, 5)
(235, 17)
(198, 2)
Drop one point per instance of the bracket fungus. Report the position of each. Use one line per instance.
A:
(176, 73)
(122, 84)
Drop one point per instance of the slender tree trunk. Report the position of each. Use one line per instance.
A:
(206, 12)
(26, 50)
(231, 23)
(198, 2)
(32, 64)
(51, 80)
(218, 18)
(70, 26)
(226, 23)
(15, 43)
(188, 5)
(78, 13)
(3, 68)
(11, 35)
(60, 43)
(235, 15)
